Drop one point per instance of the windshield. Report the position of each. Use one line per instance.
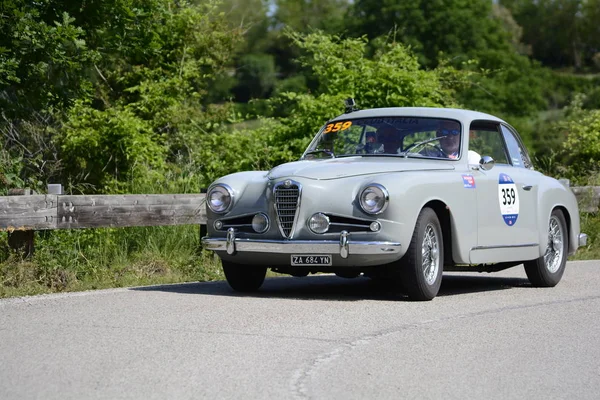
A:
(388, 136)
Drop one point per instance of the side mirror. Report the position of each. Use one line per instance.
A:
(486, 163)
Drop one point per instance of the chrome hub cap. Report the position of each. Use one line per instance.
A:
(430, 255)
(555, 252)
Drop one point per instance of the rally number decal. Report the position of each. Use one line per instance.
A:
(508, 196)
(338, 126)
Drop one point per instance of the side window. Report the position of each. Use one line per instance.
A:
(486, 140)
(518, 154)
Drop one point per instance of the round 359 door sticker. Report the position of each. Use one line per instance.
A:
(508, 196)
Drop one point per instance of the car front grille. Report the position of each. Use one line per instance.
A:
(287, 201)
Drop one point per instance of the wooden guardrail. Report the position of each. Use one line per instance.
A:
(40, 212)
(23, 212)
(588, 198)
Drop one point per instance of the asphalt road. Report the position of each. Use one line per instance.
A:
(486, 336)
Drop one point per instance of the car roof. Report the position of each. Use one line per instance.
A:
(430, 112)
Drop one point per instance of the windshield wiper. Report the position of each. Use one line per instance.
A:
(317, 151)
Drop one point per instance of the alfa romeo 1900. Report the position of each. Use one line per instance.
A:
(401, 194)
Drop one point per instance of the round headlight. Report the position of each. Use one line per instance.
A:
(260, 223)
(374, 199)
(319, 223)
(219, 198)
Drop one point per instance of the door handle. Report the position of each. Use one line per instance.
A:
(527, 187)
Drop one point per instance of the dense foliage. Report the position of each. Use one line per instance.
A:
(132, 96)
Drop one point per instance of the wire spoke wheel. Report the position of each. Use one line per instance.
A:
(554, 252)
(429, 255)
(547, 270)
(421, 267)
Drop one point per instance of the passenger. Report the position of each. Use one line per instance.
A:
(390, 138)
(371, 144)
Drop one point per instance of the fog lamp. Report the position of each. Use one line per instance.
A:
(319, 223)
(260, 223)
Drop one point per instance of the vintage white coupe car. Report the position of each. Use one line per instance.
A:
(400, 194)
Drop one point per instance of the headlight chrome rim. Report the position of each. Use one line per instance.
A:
(324, 219)
(223, 189)
(379, 190)
(256, 223)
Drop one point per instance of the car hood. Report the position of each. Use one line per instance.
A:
(354, 166)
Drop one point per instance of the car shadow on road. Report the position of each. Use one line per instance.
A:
(329, 287)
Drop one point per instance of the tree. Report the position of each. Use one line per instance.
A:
(44, 59)
(302, 16)
(256, 77)
(306, 15)
(250, 16)
(431, 27)
(561, 32)
(143, 68)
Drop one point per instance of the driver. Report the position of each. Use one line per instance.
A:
(449, 134)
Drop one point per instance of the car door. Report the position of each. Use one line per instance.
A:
(527, 181)
(506, 198)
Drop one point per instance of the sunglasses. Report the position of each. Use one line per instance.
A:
(446, 132)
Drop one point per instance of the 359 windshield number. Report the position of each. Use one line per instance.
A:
(338, 126)
(508, 196)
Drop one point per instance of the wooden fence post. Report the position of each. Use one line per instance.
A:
(203, 229)
(22, 241)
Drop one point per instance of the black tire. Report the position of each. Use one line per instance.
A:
(244, 278)
(548, 270)
(420, 281)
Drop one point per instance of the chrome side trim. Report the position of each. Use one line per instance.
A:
(583, 239)
(302, 246)
(512, 246)
(352, 225)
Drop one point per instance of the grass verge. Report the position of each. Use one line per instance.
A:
(75, 260)
(87, 259)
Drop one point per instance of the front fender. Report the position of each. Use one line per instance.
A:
(411, 191)
(248, 188)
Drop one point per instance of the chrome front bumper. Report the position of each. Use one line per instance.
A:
(582, 239)
(344, 246)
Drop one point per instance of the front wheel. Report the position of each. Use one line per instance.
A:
(244, 278)
(547, 270)
(422, 266)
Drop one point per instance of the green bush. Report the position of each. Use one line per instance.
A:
(582, 147)
(99, 146)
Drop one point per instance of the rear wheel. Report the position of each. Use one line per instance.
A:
(244, 278)
(422, 266)
(548, 270)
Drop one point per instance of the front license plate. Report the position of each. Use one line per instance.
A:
(318, 260)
